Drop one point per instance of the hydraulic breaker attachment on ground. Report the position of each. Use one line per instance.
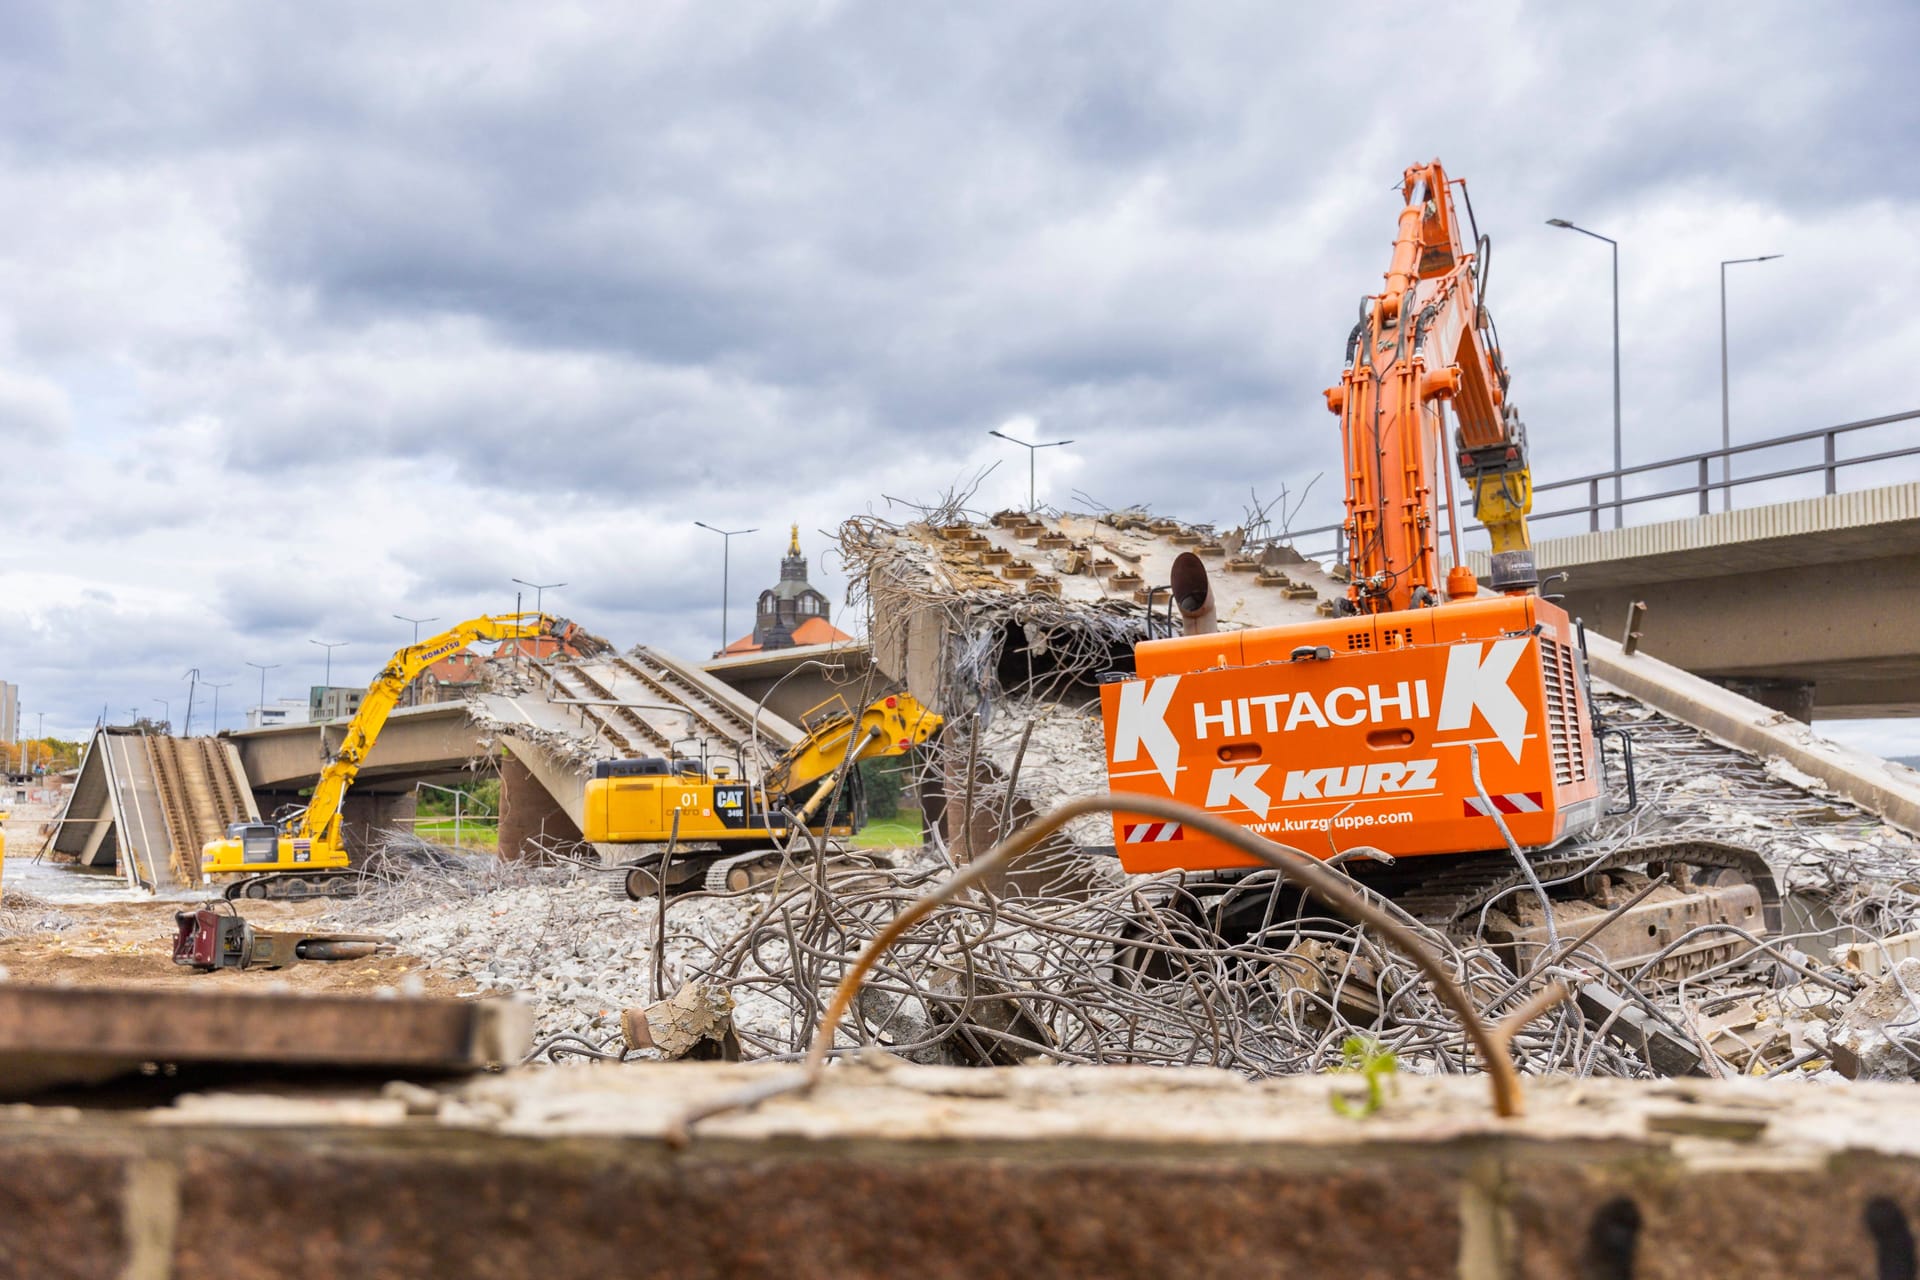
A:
(208, 939)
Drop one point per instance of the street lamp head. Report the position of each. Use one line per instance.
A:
(1559, 222)
(1003, 435)
(1769, 257)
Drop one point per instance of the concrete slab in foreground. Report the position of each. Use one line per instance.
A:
(943, 1172)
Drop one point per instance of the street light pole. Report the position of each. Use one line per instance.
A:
(329, 646)
(416, 624)
(413, 688)
(263, 668)
(1726, 417)
(1031, 449)
(216, 701)
(167, 708)
(538, 588)
(726, 559)
(1617, 463)
(192, 677)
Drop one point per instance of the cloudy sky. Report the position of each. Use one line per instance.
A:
(311, 315)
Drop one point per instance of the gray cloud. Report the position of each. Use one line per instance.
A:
(322, 314)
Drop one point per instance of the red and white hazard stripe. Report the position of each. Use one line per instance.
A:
(1151, 832)
(1511, 802)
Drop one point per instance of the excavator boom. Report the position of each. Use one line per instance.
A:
(314, 847)
(1423, 344)
(322, 818)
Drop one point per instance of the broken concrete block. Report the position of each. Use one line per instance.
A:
(695, 1021)
(1878, 1037)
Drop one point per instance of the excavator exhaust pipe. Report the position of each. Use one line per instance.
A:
(1193, 595)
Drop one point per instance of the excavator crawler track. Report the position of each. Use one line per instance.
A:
(1452, 898)
(1487, 898)
(295, 887)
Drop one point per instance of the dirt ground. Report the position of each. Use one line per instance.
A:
(124, 943)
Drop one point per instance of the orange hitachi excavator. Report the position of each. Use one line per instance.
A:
(1425, 715)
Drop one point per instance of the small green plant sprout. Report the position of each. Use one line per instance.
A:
(1364, 1057)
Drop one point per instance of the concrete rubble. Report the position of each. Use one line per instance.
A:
(22, 913)
(569, 941)
(1218, 1049)
(1031, 976)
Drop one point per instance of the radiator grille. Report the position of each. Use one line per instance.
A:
(1357, 640)
(1567, 745)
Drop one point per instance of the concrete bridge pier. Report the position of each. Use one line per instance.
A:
(528, 812)
(363, 816)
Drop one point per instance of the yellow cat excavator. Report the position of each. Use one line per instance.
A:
(721, 827)
(302, 855)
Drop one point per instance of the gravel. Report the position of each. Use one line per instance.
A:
(570, 942)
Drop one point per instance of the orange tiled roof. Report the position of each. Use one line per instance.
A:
(812, 631)
(818, 631)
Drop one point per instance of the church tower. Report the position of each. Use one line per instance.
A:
(790, 605)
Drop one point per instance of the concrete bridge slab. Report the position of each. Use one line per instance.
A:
(1816, 594)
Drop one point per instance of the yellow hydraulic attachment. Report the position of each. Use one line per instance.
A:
(655, 801)
(302, 855)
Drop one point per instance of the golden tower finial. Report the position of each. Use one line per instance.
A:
(793, 548)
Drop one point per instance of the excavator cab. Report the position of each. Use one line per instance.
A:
(259, 841)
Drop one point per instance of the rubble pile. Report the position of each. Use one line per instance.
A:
(1877, 1036)
(1134, 971)
(565, 938)
(22, 913)
(1075, 962)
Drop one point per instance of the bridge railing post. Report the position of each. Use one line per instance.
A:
(1704, 490)
(1831, 469)
(1593, 505)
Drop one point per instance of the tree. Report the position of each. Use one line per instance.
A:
(886, 782)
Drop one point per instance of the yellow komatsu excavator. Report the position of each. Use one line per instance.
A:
(719, 825)
(303, 855)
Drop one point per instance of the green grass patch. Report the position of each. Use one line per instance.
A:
(900, 832)
(473, 835)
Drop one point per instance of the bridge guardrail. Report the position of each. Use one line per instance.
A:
(1704, 486)
(1702, 483)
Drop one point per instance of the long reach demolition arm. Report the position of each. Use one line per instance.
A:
(321, 822)
(1424, 342)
